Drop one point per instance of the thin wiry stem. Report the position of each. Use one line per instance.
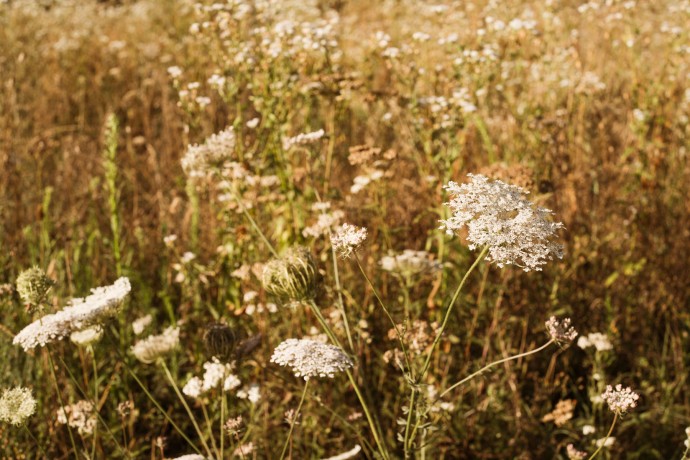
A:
(608, 435)
(490, 365)
(95, 397)
(62, 404)
(209, 429)
(254, 224)
(293, 422)
(186, 406)
(385, 310)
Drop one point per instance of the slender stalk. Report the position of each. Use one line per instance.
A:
(186, 406)
(95, 397)
(407, 441)
(222, 412)
(385, 310)
(209, 429)
(372, 425)
(490, 365)
(427, 363)
(341, 304)
(294, 420)
(608, 435)
(165, 414)
(38, 444)
(62, 404)
(254, 224)
(86, 396)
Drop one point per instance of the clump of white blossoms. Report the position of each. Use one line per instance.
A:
(153, 347)
(620, 399)
(79, 314)
(347, 238)
(597, 340)
(497, 215)
(16, 405)
(80, 415)
(214, 372)
(410, 262)
(200, 160)
(560, 330)
(303, 139)
(87, 336)
(309, 358)
(190, 457)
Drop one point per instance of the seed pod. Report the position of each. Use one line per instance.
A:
(291, 277)
(220, 341)
(32, 286)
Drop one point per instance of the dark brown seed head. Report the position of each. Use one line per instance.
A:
(220, 341)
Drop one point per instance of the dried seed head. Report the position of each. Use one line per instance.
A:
(220, 341)
(292, 276)
(32, 286)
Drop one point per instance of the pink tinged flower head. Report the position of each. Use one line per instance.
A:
(560, 330)
(497, 215)
(620, 399)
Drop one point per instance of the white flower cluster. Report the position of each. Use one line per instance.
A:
(309, 358)
(410, 262)
(496, 215)
(198, 161)
(79, 314)
(560, 330)
(155, 346)
(139, 324)
(687, 441)
(347, 239)
(16, 405)
(303, 139)
(190, 457)
(620, 399)
(87, 336)
(214, 372)
(81, 415)
(597, 340)
(251, 393)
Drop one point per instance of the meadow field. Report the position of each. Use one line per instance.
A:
(333, 229)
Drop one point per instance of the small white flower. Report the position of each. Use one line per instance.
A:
(606, 442)
(16, 405)
(588, 429)
(87, 336)
(574, 454)
(595, 339)
(253, 123)
(560, 330)
(153, 347)
(140, 324)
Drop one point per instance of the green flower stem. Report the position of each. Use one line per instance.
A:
(222, 412)
(38, 444)
(385, 310)
(62, 403)
(341, 304)
(209, 428)
(608, 435)
(254, 224)
(372, 424)
(95, 397)
(162, 411)
(490, 365)
(427, 363)
(186, 406)
(294, 420)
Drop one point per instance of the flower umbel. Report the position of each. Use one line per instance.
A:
(560, 330)
(291, 276)
(153, 347)
(347, 238)
(309, 358)
(620, 399)
(16, 405)
(498, 216)
(80, 313)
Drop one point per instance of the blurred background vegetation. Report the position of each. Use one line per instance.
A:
(586, 105)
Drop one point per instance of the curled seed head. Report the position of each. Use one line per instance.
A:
(220, 341)
(33, 285)
(291, 277)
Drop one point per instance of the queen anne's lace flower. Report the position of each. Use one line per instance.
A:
(410, 262)
(309, 358)
(199, 160)
(87, 336)
(574, 454)
(498, 216)
(347, 239)
(597, 340)
(81, 415)
(79, 314)
(16, 405)
(620, 399)
(155, 346)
